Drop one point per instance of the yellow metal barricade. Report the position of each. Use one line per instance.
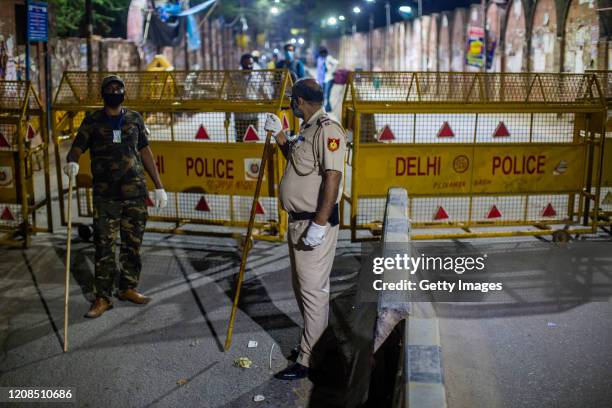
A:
(605, 203)
(206, 133)
(24, 155)
(511, 153)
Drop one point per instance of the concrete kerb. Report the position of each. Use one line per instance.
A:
(423, 379)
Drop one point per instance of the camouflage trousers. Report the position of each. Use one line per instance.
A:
(128, 218)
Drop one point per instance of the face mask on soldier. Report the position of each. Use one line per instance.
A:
(112, 99)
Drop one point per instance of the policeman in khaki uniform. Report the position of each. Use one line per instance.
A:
(310, 193)
(117, 140)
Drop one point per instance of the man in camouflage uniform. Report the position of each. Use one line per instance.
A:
(120, 153)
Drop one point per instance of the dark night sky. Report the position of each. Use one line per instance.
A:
(429, 6)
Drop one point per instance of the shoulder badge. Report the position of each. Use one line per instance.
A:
(333, 144)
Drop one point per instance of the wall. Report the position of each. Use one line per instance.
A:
(444, 43)
(416, 48)
(540, 35)
(407, 44)
(494, 22)
(8, 46)
(475, 20)
(544, 52)
(458, 40)
(432, 46)
(425, 26)
(581, 36)
(515, 38)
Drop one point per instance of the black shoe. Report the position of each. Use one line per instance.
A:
(295, 371)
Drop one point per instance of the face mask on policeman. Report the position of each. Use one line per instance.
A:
(113, 95)
(295, 108)
(306, 98)
(289, 55)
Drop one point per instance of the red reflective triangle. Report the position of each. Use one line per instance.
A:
(202, 133)
(501, 130)
(7, 215)
(259, 209)
(202, 205)
(446, 131)
(494, 212)
(250, 135)
(3, 141)
(441, 214)
(285, 122)
(31, 132)
(386, 134)
(149, 202)
(549, 211)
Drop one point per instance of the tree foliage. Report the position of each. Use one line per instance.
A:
(110, 17)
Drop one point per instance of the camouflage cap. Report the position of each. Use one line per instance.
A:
(110, 79)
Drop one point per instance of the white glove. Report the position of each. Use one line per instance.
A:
(71, 169)
(315, 235)
(161, 198)
(273, 124)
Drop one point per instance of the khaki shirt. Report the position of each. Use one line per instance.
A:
(320, 146)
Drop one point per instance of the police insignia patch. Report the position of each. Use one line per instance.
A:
(333, 144)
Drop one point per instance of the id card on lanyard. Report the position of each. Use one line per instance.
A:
(116, 125)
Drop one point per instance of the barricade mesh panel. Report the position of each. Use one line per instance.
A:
(467, 128)
(181, 89)
(13, 96)
(462, 87)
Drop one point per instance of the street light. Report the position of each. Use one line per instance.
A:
(405, 9)
(293, 41)
(332, 21)
(341, 18)
(274, 10)
(300, 41)
(356, 11)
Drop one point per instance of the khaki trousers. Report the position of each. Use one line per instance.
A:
(310, 270)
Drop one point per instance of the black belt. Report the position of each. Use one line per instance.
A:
(334, 218)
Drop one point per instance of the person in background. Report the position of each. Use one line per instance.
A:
(273, 61)
(117, 139)
(295, 66)
(326, 65)
(255, 87)
(256, 55)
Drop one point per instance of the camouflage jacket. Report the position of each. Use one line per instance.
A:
(116, 165)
